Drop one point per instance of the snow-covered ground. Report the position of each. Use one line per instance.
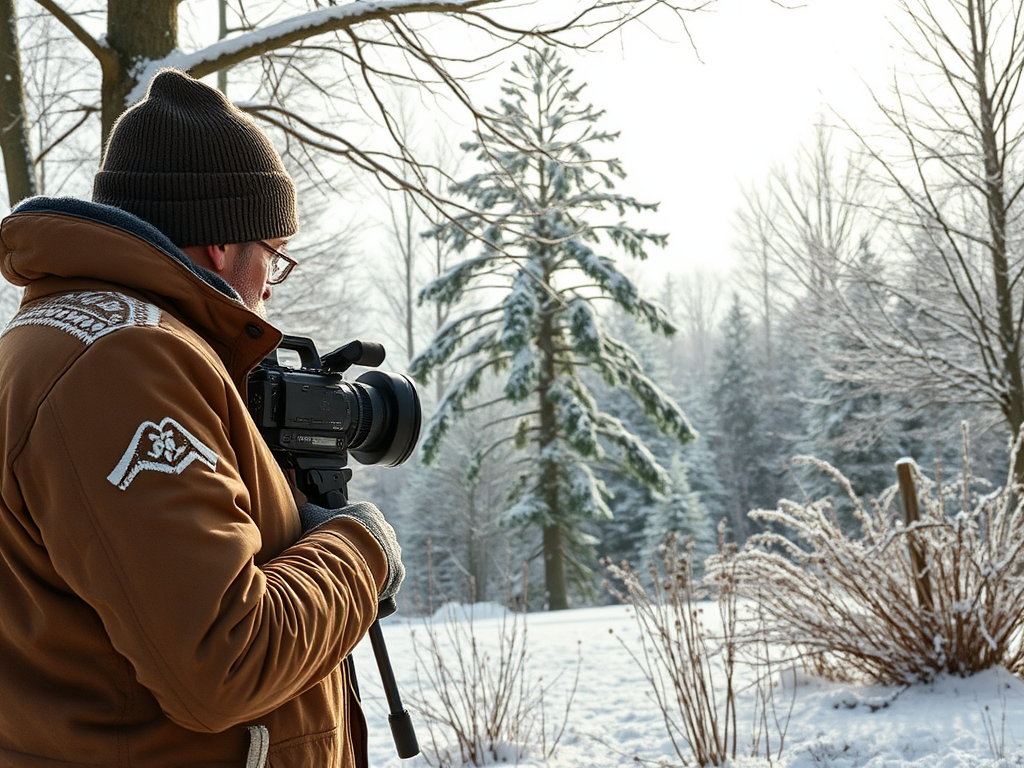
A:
(614, 721)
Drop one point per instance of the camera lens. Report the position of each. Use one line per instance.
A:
(388, 422)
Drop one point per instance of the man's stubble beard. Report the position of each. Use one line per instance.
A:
(241, 279)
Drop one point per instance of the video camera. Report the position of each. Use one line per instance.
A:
(313, 419)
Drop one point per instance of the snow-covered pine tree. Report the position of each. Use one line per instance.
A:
(681, 512)
(702, 471)
(741, 448)
(627, 535)
(858, 432)
(452, 510)
(862, 429)
(546, 207)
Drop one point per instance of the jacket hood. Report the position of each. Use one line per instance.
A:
(52, 244)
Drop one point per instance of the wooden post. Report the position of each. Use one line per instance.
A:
(911, 514)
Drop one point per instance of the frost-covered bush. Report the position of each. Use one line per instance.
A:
(851, 604)
(689, 671)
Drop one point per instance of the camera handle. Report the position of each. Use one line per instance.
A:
(328, 488)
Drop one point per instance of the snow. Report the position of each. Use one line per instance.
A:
(267, 36)
(613, 720)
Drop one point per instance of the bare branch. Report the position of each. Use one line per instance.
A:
(106, 56)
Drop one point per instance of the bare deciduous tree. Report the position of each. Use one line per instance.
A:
(959, 183)
(13, 122)
(310, 66)
(800, 234)
(414, 251)
(941, 313)
(694, 301)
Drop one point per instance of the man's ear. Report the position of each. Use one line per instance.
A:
(211, 257)
(217, 255)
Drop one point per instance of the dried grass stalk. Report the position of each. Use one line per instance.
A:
(690, 672)
(475, 691)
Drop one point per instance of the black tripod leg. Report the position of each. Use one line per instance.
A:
(398, 717)
(319, 490)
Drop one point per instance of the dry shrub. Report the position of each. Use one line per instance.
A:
(690, 672)
(476, 693)
(854, 604)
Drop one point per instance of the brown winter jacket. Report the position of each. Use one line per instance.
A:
(155, 597)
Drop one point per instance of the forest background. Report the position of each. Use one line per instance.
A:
(870, 307)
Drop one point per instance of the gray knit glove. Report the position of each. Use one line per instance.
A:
(371, 518)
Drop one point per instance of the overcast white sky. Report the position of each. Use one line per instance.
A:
(695, 132)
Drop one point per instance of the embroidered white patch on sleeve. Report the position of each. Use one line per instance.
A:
(87, 315)
(165, 447)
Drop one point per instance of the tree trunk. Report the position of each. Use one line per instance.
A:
(409, 286)
(555, 578)
(137, 31)
(17, 153)
(555, 582)
(995, 201)
(440, 317)
(477, 561)
(222, 16)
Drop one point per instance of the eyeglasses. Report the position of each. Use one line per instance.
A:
(281, 264)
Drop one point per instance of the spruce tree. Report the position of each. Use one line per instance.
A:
(683, 513)
(857, 428)
(546, 216)
(643, 516)
(470, 555)
(741, 447)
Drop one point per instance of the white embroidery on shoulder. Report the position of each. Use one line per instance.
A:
(165, 447)
(87, 315)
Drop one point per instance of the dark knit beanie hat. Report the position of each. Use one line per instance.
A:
(196, 167)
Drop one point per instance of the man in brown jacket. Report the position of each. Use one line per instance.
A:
(163, 601)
